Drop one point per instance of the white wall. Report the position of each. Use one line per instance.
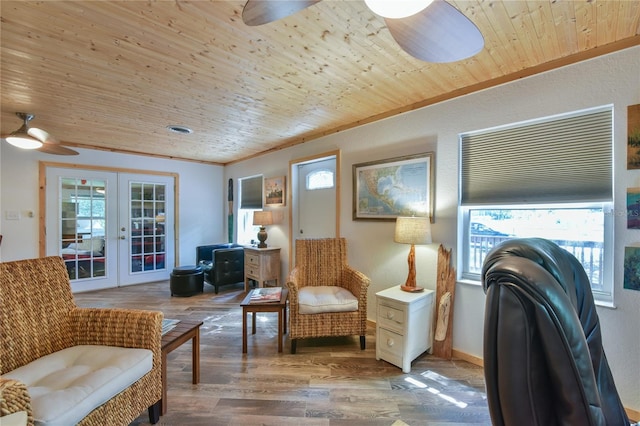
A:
(612, 79)
(200, 195)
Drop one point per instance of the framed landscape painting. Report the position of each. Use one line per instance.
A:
(633, 137)
(632, 268)
(274, 191)
(401, 186)
(633, 208)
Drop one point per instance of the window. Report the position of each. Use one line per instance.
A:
(251, 193)
(83, 208)
(579, 230)
(250, 200)
(83, 219)
(549, 178)
(320, 179)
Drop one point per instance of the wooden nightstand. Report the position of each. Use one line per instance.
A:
(403, 325)
(261, 265)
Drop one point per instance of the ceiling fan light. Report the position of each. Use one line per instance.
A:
(24, 142)
(397, 8)
(21, 139)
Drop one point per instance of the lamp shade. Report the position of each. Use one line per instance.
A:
(413, 230)
(262, 218)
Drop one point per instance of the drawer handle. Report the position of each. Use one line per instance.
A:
(390, 314)
(390, 342)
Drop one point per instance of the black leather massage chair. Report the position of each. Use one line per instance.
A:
(543, 358)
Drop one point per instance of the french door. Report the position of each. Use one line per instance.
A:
(145, 228)
(111, 228)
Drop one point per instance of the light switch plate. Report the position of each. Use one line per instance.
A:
(12, 215)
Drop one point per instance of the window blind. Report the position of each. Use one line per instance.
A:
(566, 159)
(251, 193)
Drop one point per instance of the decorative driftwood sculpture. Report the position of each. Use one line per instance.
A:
(445, 290)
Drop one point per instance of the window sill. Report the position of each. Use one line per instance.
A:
(600, 303)
(469, 281)
(604, 304)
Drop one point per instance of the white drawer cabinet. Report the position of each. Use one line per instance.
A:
(261, 265)
(403, 325)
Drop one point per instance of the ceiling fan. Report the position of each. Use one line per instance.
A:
(32, 138)
(430, 30)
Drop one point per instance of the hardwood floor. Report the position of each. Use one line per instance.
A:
(328, 382)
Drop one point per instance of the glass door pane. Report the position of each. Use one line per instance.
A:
(147, 228)
(82, 213)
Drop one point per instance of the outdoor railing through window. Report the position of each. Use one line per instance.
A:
(589, 253)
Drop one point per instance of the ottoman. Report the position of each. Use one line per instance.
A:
(186, 280)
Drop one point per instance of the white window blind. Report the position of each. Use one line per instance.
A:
(251, 192)
(567, 159)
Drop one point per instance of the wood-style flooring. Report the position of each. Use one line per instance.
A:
(328, 382)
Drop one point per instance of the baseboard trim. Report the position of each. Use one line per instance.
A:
(634, 415)
(467, 357)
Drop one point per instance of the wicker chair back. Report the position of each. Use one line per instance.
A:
(35, 301)
(321, 261)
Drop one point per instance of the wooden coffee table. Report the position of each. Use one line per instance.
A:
(181, 333)
(254, 307)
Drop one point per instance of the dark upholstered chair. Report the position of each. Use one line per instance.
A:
(543, 357)
(223, 264)
(326, 296)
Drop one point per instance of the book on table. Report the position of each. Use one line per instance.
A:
(271, 294)
(168, 325)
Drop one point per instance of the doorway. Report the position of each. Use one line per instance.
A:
(314, 207)
(112, 228)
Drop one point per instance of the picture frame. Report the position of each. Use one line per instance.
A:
(633, 137)
(275, 191)
(631, 260)
(400, 186)
(633, 208)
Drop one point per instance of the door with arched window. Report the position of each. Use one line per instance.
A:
(314, 196)
(316, 199)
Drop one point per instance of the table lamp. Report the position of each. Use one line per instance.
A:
(412, 230)
(262, 218)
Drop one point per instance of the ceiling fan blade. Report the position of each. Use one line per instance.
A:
(258, 12)
(55, 149)
(41, 135)
(439, 33)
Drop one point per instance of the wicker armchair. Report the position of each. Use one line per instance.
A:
(14, 398)
(323, 262)
(38, 316)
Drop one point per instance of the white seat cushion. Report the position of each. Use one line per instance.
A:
(319, 299)
(15, 419)
(67, 385)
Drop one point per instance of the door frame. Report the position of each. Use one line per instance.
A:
(42, 198)
(293, 182)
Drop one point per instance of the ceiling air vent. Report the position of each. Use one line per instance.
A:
(183, 130)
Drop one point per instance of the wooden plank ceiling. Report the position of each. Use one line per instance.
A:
(113, 74)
